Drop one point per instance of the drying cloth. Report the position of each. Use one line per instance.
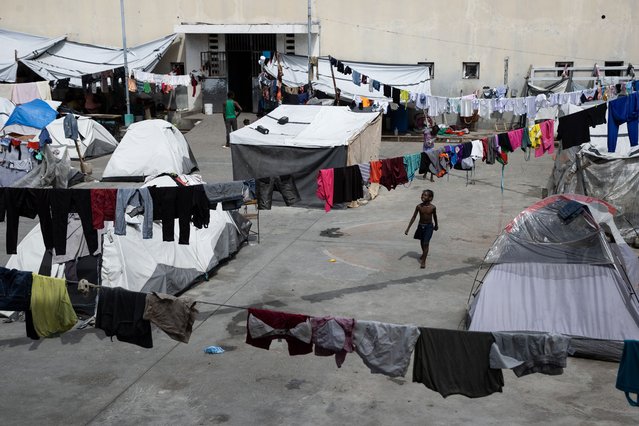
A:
(347, 184)
(325, 188)
(264, 326)
(376, 171)
(385, 348)
(120, 313)
(456, 362)
(15, 289)
(628, 374)
(393, 173)
(528, 353)
(51, 306)
(411, 165)
(174, 315)
(623, 110)
(333, 336)
(547, 138)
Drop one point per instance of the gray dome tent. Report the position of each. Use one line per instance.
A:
(577, 278)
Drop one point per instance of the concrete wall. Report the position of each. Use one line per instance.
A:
(446, 32)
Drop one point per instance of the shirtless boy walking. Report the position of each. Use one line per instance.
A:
(427, 224)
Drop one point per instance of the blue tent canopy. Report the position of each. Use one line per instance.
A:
(36, 114)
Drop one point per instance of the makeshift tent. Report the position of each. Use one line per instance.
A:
(574, 277)
(15, 46)
(73, 60)
(94, 140)
(589, 169)
(29, 118)
(148, 148)
(413, 78)
(313, 138)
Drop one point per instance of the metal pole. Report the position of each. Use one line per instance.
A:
(126, 63)
(310, 88)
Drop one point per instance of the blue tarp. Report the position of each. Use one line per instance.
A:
(37, 114)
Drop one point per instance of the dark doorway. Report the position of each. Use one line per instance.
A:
(243, 52)
(240, 78)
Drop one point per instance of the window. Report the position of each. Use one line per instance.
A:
(471, 70)
(431, 67)
(618, 73)
(562, 65)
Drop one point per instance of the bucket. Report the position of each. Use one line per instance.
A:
(128, 119)
(208, 109)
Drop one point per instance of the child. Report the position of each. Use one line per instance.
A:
(427, 224)
(231, 110)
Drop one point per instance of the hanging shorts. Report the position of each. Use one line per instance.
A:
(424, 232)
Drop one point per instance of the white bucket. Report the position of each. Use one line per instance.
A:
(208, 109)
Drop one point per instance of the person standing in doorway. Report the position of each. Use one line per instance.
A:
(427, 224)
(232, 110)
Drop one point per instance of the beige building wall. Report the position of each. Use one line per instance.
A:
(446, 32)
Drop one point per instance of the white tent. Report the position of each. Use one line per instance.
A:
(413, 78)
(577, 278)
(314, 137)
(6, 108)
(73, 60)
(15, 46)
(94, 140)
(148, 148)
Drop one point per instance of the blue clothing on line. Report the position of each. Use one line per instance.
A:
(628, 374)
(623, 110)
(137, 198)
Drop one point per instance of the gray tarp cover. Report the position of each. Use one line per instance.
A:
(615, 180)
(255, 161)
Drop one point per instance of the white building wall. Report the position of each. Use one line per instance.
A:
(446, 32)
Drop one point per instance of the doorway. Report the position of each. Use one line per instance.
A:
(243, 52)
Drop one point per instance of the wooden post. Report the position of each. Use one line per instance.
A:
(334, 84)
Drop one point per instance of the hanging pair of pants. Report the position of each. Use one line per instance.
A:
(285, 185)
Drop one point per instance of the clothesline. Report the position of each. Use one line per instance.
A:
(344, 184)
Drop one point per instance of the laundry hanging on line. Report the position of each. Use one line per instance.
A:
(393, 172)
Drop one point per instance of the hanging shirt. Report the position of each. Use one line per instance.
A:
(456, 362)
(376, 171)
(385, 348)
(534, 134)
(333, 336)
(547, 138)
(174, 315)
(120, 313)
(411, 165)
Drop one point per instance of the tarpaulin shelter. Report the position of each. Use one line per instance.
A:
(73, 60)
(413, 78)
(94, 140)
(29, 118)
(313, 138)
(591, 170)
(574, 277)
(148, 148)
(15, 46)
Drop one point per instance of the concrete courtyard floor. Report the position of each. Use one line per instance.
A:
(85, 378)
